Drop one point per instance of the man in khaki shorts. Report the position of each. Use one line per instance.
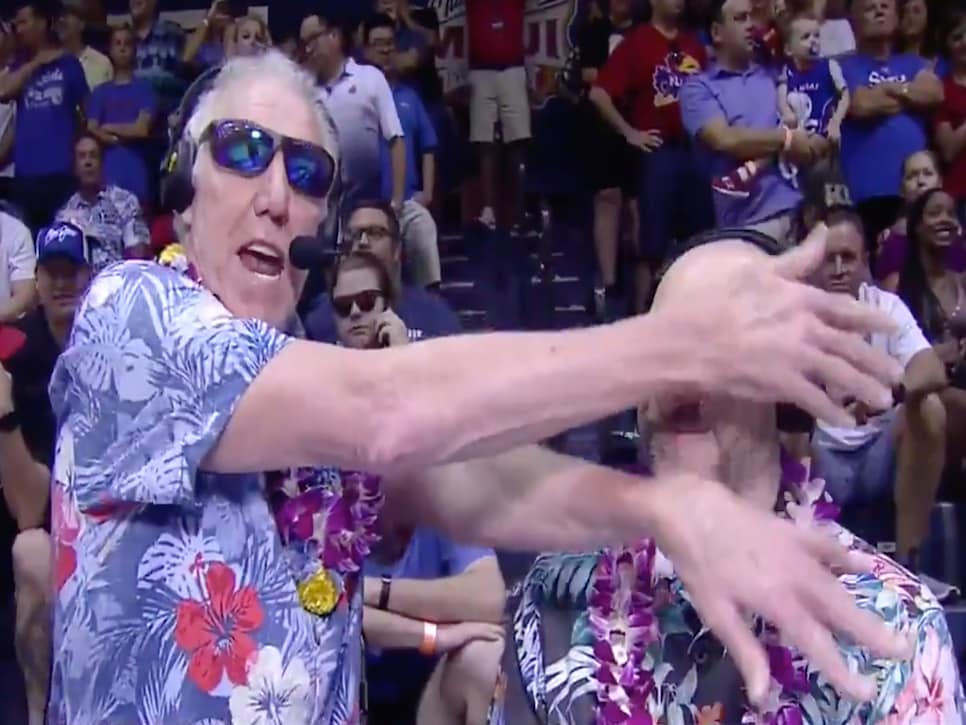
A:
(498, 81)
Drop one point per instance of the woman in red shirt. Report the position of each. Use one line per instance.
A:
(951, 117)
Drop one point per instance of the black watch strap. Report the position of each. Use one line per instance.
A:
(384, 590)
(899, 394)
(9, 422)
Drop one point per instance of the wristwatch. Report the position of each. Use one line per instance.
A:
(384, 591)
(9, 422)
(898, 394)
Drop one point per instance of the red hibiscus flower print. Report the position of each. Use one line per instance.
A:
(65, 526)
(215, 633)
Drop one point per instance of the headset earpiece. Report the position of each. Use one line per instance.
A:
(177, 189)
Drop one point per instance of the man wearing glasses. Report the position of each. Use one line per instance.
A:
(372, 225)
(362, 107)
(190, 587)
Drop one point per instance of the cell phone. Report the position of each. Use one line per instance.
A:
(237, 8)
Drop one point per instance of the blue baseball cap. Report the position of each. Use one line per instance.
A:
(63, 240)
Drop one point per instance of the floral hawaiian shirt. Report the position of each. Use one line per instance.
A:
(114, 220)
(612, 638)
(177, 595)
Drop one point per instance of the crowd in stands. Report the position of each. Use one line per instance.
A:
(762, 115)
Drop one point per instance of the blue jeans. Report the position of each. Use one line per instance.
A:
(864, 475)
(673, 200)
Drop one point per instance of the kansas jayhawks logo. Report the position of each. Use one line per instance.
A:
(669, 76)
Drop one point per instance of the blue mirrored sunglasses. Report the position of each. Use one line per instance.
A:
(247, 149)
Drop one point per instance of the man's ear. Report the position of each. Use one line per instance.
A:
(182, 227)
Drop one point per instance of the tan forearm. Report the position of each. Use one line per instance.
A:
(387, 630)
(429, 173)
(194, 42)
(26, 483)
(449, 399)
(924, 374)
(6, 145)
(532, 499)
(397, 160)
(23, 299)
(129, 131)
(605, 106)
(951, 142)
(925, 93)
(783, 106)
(869, 103)
(746, 144)
(841, 109)
(476, 595)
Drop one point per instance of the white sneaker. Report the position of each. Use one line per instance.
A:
(488, 217)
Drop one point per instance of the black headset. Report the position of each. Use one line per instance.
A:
(177, 190)
(789, 418)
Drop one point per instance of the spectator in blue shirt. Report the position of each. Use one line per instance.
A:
(49, 88)
(417, 227)
(892, 97)
(373, 226)
(431, 622)
(159, 48)
(120, 113)
(729, 109)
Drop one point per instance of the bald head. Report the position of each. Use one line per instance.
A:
(691, 271)
(708, 434)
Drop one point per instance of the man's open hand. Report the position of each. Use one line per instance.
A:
(735, 559)
(762, 333)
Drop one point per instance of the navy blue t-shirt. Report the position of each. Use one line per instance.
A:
(424, 313)
(812, 94)
(114, 102)
(48, 118)
(873, 150)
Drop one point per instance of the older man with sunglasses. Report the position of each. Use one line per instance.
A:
(192, 586)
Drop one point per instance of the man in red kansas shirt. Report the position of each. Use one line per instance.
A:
(498, 84)
(644, 75)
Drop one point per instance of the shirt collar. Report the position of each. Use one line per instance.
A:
(349, 68)
(101, 193)
(716, 71)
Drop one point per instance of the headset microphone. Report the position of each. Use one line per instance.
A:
(308, 253)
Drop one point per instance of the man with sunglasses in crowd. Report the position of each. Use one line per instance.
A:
(373, 225)
(190, 587)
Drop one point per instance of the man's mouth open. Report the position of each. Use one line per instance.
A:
(262, 259)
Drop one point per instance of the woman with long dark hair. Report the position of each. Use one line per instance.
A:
(936, 296)
(917, 29)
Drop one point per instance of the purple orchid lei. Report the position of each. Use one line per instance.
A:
(623, 620)
(331, 514)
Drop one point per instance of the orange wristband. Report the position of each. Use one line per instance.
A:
(788, 139)
(428, 645)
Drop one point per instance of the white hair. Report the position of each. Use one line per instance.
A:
(280, 71)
